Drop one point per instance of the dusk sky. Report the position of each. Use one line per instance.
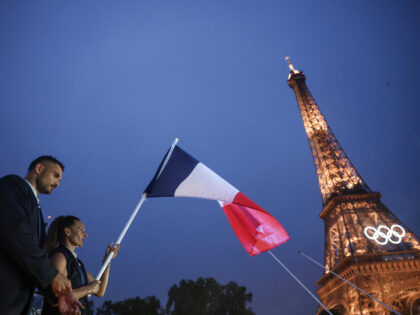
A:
(105, 86)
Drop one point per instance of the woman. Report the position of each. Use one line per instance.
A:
(64, 235)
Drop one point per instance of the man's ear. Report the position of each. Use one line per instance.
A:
(38, 168)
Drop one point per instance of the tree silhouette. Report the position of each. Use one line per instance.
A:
(89, 308)
(208, 297)
(132, 306)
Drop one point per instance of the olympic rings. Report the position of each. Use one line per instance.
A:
(389, 234)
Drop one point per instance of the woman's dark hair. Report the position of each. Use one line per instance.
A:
(56, 234)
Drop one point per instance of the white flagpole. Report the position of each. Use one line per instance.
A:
(298, 281)
(353, 285)
(168, 156)
(143, 198)
(127, 225)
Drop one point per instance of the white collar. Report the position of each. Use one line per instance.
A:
(33, 190)
(74, 254)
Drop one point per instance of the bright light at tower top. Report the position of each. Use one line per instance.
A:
(292, 69)
(291, 66)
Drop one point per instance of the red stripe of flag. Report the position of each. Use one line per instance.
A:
(255, 228)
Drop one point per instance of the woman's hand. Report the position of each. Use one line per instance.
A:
(94, 287)
(111, 248)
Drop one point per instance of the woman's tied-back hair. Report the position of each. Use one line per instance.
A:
(56, 234)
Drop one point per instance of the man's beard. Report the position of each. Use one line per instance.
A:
(42, 188)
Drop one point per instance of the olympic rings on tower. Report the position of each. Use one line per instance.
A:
(389, 234)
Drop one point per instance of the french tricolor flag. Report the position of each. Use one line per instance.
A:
(181, 175)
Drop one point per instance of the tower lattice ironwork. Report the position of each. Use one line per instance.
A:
(364, 241)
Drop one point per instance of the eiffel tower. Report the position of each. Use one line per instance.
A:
(365, 243)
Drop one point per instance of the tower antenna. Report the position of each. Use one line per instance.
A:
(292, 69)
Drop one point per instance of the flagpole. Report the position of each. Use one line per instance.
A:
(298, 281)
(122, 234)
(353, 285)
(134, 213)
(167, 157)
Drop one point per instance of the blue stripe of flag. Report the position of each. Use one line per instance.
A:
(178, 168)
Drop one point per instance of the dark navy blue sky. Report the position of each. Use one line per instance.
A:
(106, 86)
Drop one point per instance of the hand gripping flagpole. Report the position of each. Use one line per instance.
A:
(353, 285)
(298, 281)
(143, 198)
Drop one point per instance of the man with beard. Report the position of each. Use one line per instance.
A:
(24, 264)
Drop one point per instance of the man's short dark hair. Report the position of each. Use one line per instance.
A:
(44, 158)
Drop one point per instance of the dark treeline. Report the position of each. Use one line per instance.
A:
(205, 296)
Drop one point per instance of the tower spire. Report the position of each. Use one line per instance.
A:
(336, 174)
(292, 69)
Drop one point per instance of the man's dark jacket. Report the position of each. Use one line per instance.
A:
(23, 263)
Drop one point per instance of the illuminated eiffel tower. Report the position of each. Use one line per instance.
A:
(365, 242)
